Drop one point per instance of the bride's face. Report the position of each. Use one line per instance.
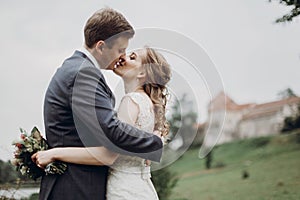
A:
(131, 67)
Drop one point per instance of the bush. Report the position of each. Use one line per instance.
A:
(7, 173)
(292, 122)
(288, 124)
(34, 196)
(164, 181)
(220, 164)
(260, 142)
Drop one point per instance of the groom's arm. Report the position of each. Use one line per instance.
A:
(97, 124)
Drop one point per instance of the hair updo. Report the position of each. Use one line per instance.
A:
(158, 74)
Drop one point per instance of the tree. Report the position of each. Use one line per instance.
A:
(7, 173)
(286, 93)
(293, 13)
(208, 160)
(291, 122)
(183, 120)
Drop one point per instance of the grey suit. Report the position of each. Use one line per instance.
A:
(79, 111)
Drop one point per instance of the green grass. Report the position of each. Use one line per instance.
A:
(273, 164)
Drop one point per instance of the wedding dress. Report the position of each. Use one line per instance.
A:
(129, 177)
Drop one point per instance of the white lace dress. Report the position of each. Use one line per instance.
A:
(129, 178)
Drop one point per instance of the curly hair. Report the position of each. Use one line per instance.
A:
(158, 74)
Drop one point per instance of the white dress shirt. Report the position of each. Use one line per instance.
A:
(90, 56)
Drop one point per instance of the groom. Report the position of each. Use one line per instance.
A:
(79, 110)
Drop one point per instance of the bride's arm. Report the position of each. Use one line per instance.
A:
(128, 112)
(78, 155)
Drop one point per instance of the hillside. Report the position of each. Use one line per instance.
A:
(271, 166)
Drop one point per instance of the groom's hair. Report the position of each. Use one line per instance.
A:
(106, 24)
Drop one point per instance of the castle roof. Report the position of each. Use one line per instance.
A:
(270, 108)
(223, 101)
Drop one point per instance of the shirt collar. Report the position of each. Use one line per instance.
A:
(90, 56)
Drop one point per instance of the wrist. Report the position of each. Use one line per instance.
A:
(54, 153)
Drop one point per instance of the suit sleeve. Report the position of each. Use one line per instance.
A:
(97, 124)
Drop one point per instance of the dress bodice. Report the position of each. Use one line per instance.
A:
(145, 122)
(129, 177)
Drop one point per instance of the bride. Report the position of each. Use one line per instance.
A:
(145, 73)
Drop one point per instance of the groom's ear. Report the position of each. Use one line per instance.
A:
(100, 46)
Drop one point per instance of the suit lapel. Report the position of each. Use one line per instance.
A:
(112, 96)
(102, 78)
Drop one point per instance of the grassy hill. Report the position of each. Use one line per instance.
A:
(272, 165)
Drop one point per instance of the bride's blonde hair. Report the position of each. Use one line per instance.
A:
(158, 74)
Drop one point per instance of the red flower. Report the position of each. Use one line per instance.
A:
(25, 147)
(17, 155)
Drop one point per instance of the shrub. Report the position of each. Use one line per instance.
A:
(291, 122)
(164, 181)
(220, 164)
(34, 196)
(260, 142)
(288, 124)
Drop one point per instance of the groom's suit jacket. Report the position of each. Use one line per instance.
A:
(79, 112)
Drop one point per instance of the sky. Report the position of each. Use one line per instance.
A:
(253, 57)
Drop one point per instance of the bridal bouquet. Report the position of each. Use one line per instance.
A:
(26, 146)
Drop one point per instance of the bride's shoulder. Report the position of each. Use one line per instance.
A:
(141, 99)
(138, 97)
(135, 94)
(128, 110)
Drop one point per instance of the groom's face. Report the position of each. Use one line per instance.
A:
(111, 55)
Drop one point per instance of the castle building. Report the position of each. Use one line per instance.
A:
(246, 120)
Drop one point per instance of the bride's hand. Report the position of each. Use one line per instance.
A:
(43, 158)
(147, 162)
(159, 134)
